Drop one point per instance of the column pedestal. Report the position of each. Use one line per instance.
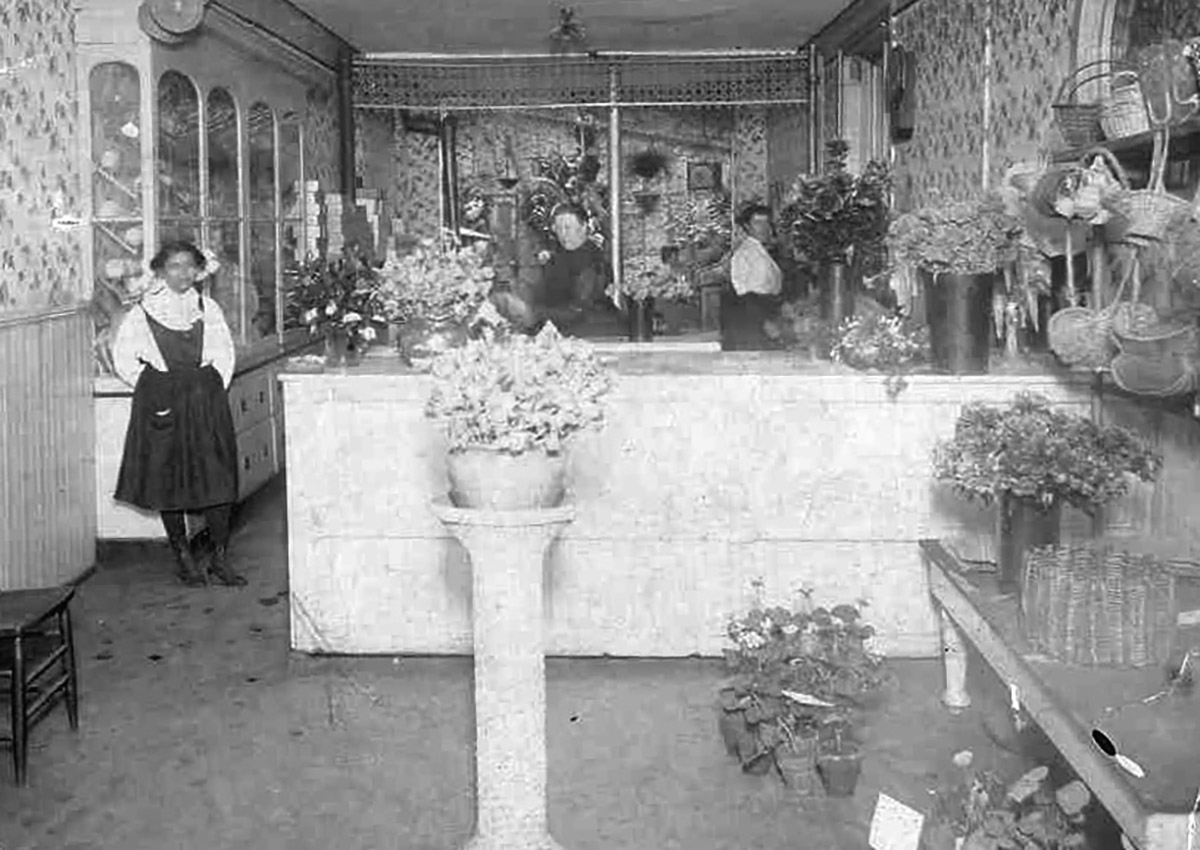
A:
(507, 549)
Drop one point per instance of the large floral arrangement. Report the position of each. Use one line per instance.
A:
(437, 279)
(880, 341)
(643, 277)
(699, 221)
(1033, 451)
(832, 215)
(977, 810)
(967, 237)
(559, 179)
(334, 296)
(510, 393)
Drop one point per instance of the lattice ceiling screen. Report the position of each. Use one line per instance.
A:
(499, 84)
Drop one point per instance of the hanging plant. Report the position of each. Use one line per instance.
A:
(649, 163)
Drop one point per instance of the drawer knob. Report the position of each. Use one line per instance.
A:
(243, 406)
(262, 397)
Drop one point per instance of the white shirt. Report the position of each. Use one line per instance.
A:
(753, 271)
(135, 342)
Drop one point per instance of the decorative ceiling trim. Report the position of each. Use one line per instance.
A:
(633, 80)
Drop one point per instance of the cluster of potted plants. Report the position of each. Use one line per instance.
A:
(977, 810)
(800, 680)
(507, 405)
(1030, 459)
(888, 342)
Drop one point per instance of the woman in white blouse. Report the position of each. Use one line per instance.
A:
(174, 348)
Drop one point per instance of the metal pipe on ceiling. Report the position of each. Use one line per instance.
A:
(591, 104)
(599, 55)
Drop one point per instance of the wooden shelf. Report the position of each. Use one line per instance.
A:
(1142, 142)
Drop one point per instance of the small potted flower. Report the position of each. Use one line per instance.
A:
(433, 292)
(1030, 459)
(645, 280)
(955, 250)
(508, 404)
(336, 300)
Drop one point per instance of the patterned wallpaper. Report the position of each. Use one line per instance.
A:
(416, 183)
(750, 155)
(321, 159)
(40, 266)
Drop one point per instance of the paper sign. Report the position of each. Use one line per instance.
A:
(895, 826)
(805, 699)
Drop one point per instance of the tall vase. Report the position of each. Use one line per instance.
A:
(958, 308)
(1022, 524)
(337, 348)
(837, 300)
(640, 314)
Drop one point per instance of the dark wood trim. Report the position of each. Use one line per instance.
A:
(854, 28)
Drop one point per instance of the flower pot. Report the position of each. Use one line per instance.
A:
(641, 319)
(797, 763)
(839, 772)
(837, 300)
(492, 480)
(1022, 524)
(337, 349)
(421, 340)
(958, 308)
(733, 729)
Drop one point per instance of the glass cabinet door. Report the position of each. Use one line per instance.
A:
(178, 158)
(116, 167)
(291, 200)
(261, 293)
(223, 222)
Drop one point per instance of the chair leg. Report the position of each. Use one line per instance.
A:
(17, 703)
(68, 637)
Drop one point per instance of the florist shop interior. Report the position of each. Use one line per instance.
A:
(724, 428)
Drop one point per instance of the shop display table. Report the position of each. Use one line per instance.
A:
(1160, 733)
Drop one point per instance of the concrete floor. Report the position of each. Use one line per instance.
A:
(199, 729)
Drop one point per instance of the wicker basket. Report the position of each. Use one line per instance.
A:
(1123, 112)
(1096, 605)
(1163, 376)
(1152, 210)
(1081, 338)
(1079, 123)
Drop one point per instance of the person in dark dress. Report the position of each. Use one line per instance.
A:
(174, 348)
(751, 299)
(574, 280)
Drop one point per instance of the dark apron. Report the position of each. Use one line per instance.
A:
(180, 448)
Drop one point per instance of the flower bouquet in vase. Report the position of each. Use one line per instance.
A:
(336, 300)
(434, 292)
(645, 280)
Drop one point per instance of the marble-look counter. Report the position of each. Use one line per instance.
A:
(713, 470)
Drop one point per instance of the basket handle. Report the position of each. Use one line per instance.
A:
(1066, 83)
(1158, 162)
(1110, 159)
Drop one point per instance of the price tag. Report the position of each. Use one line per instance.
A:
(895, 826)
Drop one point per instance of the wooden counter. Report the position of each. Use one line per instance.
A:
(714, 469)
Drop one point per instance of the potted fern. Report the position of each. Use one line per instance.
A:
(507, 405)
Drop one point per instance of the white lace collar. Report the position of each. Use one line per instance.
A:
(174, 310)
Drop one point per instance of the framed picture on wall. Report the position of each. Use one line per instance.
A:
(703, 175)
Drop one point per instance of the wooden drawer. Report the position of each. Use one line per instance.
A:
(256, 457)
(250, 398)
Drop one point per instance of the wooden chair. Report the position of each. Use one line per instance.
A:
(37, 657)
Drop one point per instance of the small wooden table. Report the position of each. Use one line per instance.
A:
(1157, 812)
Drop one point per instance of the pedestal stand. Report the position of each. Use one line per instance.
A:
(507, 549)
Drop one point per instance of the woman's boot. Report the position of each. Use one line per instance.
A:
(219, 569)
(187, 569)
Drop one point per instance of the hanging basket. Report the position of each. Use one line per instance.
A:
(1123, 112)
(1079, 123)
(1152, 210)
(1080, 337)
(1165, 376)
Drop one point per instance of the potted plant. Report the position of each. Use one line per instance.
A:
(433, 291)
(336, 300)
(507, 404)
(955, 249)
(645, 280)
(1029, 459)
(837, 218)
(839, 757)
(978, 810)
(792, 671)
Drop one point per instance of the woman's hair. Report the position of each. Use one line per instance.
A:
(750, 211)
(569, 209)
(177, 246)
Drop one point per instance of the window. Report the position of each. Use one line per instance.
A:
(177, 170)
(118, 233)
(223, 212)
